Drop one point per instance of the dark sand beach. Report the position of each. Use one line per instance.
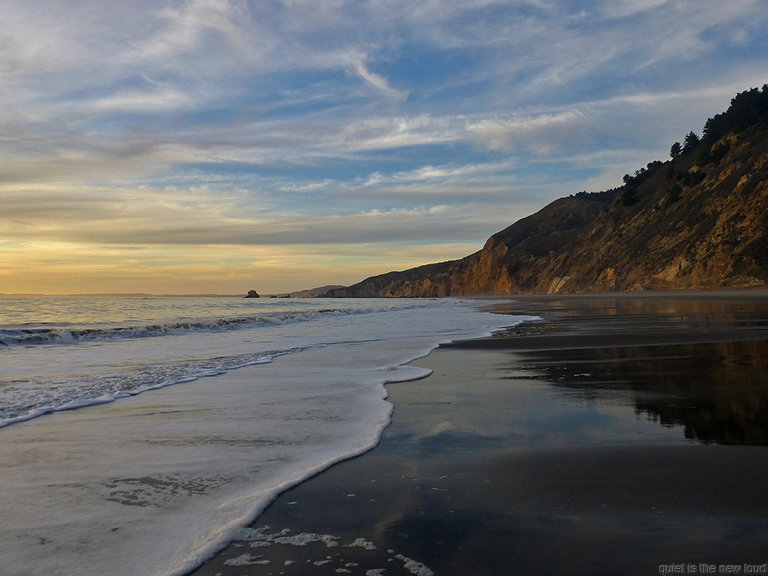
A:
(618, 435)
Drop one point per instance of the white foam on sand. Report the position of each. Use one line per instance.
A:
(247, 560)
(262, 537)
(363, 543)
(414, 567)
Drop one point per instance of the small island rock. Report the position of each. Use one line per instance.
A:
(252, 294)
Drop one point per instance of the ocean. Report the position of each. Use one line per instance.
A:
(139, 435)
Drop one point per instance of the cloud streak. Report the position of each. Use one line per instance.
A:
(378, 82)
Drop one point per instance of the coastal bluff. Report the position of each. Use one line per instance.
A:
(696, 221)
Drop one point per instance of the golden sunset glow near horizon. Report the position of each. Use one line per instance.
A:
(217, 146)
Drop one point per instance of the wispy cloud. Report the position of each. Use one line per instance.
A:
(378, 82)
(537, 130)
(202, 32)
(134, 101)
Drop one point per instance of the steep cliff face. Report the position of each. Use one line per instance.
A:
(710, 234)
(699, 220)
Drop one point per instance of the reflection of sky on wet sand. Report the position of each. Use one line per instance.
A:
(502, 407)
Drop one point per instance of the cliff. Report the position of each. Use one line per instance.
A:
(314, 292)
(698, 220)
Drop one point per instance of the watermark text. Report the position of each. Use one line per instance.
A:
(707, 568)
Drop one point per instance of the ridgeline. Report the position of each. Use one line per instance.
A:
(698, 220)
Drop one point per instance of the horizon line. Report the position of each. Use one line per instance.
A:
(122, 294)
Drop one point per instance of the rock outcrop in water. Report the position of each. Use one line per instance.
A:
(699, 220)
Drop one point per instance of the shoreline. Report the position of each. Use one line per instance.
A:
(469, 477)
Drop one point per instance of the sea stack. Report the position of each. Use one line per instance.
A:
(252, 294)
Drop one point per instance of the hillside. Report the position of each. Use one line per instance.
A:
(314, 292)
(698, 220)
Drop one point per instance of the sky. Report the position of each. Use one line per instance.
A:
(218, 146)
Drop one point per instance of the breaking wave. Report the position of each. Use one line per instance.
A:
(53, 336)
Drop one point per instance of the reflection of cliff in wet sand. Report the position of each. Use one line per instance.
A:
(718, 392)
(697, 363)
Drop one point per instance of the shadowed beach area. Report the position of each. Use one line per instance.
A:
(621, 434)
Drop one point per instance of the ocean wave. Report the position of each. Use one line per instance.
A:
(27, 399)
(67, 335)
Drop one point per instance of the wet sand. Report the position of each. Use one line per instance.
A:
(619, 435)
